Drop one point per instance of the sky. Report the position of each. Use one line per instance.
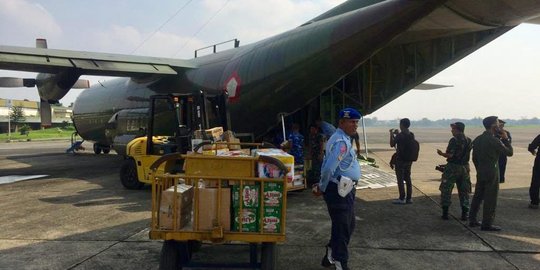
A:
(499, 79)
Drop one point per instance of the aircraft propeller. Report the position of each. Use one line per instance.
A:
(51, 87)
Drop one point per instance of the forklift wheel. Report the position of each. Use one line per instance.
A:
(128, 175)
(174, 254)
(97, 149)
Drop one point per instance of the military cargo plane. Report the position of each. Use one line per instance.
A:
(362, 53)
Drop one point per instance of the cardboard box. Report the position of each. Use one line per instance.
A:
(184, 206)
(215, 146)
(249, 219)
(217, 152)
(234, 146)
(236, 153)
(214, 133)
(208, 210)
(228, 135)
(267, 170)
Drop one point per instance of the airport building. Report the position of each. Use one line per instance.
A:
(30, 109)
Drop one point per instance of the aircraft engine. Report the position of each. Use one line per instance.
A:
(51, 87)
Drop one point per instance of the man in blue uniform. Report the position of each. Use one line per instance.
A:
(327, 128)
(340, 168)
(296, 144)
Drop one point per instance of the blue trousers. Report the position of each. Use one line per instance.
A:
(341, 210)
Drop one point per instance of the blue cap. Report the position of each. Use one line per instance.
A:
(349, 113)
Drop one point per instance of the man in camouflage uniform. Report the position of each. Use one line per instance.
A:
(456, 171)
(486, 151)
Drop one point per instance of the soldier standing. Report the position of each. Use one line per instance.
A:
(503, 159)
(486, 151)
(456, 171)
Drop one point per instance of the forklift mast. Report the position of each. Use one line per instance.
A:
(177, 116)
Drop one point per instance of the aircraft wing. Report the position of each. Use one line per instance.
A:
(88, 63)
(534, 20)
(430, 86)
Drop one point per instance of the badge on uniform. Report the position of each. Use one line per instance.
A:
(345, 186)
(342, 151)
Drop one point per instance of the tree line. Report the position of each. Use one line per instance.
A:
(425, 122)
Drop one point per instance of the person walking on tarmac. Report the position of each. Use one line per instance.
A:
(456, 171)
(486, 151)
(339, 174)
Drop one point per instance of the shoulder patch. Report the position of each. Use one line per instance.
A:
(342, 150)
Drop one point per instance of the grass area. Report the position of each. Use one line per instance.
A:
(50, 133)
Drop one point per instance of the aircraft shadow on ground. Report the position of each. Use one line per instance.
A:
(98, 170)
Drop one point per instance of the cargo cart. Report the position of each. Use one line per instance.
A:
(217, 199)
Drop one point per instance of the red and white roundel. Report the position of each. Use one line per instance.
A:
(232, 86)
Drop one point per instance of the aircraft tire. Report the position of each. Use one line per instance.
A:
(106, 150)
(128, 175)
(97, 149)
(268, 256)
(174, 254)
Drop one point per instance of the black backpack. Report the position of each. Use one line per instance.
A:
(409, 148)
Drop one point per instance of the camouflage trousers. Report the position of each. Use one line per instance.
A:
(458, 175)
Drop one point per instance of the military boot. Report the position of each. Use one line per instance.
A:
(464, 214)
(444, 213)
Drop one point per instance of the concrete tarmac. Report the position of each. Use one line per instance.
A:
(80, 216)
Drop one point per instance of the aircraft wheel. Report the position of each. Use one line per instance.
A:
(128, 175)
(106, 150)
(174, 254)
(97, 149)
(268, 256)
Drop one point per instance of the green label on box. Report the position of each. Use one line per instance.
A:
(250, 196)
(273, 194)
(248, 219)
(272, 219)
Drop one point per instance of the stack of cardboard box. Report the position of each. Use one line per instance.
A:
(168, 211)
(215, 135)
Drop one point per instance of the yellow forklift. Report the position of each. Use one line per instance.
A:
(172, 120)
